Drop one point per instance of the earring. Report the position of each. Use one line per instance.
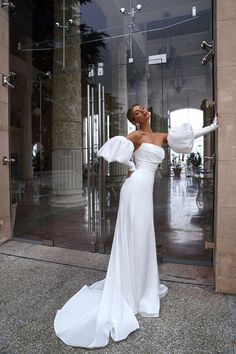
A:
(137, 126)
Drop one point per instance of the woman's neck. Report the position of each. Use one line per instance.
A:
(145, 127)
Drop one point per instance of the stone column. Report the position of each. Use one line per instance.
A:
(225, 225)
(156, 102)
(142, 91)
(118, 120)
(67, 189)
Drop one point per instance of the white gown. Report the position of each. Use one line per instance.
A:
(131, 286)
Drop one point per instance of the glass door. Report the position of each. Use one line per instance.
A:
(79, 65)
(183, 195)
(48, 179)
(156, 60)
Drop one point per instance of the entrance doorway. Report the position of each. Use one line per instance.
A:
(77, 75)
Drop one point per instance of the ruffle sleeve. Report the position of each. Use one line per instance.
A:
(118, 149)
(180, 139)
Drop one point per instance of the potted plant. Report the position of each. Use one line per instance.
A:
(177, 165)
(194, 160)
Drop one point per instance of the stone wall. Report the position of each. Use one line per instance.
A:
(225, 226)
(5, 229)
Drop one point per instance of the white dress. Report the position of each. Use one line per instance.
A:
(131, 286)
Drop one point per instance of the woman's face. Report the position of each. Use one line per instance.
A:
(140, 114)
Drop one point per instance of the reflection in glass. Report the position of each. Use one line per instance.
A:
(85, 43)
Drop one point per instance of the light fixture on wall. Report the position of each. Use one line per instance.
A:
(132, 25)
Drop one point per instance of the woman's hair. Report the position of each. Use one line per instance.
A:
(130, 113)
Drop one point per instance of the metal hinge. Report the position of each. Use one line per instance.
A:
(209, 245)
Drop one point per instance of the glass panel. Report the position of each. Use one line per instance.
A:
(63, 47)
(47, 116)
(24, 121)
(184, 215)
(169, 28)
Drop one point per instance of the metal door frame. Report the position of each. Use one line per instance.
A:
(96, 199)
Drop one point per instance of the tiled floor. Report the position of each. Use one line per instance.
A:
(181, 222)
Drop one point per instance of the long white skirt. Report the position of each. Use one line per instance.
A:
(131, 286)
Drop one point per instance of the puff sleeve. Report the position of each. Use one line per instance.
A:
(118, 149)
(181, 138)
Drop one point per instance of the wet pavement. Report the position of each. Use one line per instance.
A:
(37, 280)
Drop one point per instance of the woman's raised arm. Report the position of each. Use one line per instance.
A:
(181, 138)
(205, 130)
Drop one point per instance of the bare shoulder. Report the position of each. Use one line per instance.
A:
(135, 137)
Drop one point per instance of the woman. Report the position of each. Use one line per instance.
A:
(131, 286)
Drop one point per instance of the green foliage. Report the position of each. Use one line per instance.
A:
(91, 44)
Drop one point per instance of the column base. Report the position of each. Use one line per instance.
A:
(67, 199)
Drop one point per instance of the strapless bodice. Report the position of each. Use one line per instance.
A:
(148, 156)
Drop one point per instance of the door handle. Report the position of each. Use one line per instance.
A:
(9, 80)
(209, 47)
(6, 4)
(5, 160)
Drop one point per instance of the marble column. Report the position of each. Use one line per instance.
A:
(159, 123)
(118, 121)
(142, 91)
(67, 188)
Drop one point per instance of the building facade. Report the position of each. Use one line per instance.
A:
(69, 72)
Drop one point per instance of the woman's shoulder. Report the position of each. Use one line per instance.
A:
(135, 137)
